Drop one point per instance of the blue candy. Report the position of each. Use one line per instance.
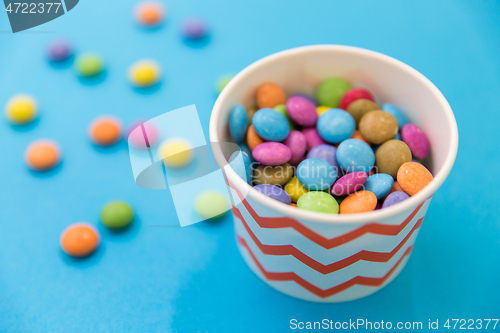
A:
(241, 164)
(274, 192)
(270, 125)
(316, 174)
(244, 148)
(355, 155)
(238, 123)
(327, 153)
(397, 113)
(336, 125)
(394, 198)
(379, 184)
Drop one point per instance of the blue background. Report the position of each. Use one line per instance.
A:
(172, 279)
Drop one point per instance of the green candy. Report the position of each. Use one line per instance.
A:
(282, 109)
(117, 214)
(222, 82)
(211, 205)
(331, 90)
(318, 201)
(88, 64)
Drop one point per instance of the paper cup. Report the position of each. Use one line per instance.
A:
(334, 258)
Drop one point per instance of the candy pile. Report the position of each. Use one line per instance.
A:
(345, 156)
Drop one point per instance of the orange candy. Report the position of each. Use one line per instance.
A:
(105, 131)
(358, 202)
(413, 177)
(269, 95)
(80, 240)
(42, 155)
(149, 13)
(357, 135)
(253, 139)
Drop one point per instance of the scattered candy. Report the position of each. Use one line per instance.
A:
(59, 50)
(272, 153)
(349, 183)
(105, 131)
(336, 125)
(379, 184)
(331, 90)
(42, 155)
(316, 174)
(295, 189)
(144, 73)
(21, 109)
(175, 153)
(238, 123)
(390, 156)
(223, 81)
(358, 202)
(413, 177)
(360, 107)
(88, 64)
(394, 198)
(270, 124)
(378, 126)
(117, 214)
(194, 29)
(353, 95)
(416, 139)
(269, 95)
(80, 240)
(149, 13)
(145, 136)
(320, 202)
(211, 205)
(274, 192)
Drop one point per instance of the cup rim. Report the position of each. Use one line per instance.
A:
(376, 215)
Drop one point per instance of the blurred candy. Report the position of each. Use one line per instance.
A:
(296, 141)
(137, 139)
(149, 13)
(253, 139)
(223, 81)
(302, 111)
(194, 28)
(274, 192)
(295, 189)
(80, 240)
(21, 109)
(269, 95)
(241, 165)
(105, 131)
(59, 50)
(211, 204)
(269, 124)
(353, 95)
(144, 73)
(117, 214)
(316, 174)
(322, 109)
(42, 155)
(282, 109)
(88, 64)
(175, 153)
(360, 107)
(272, 153)
(312, 137)
(273, 175)
(238, 123)
(331, 90)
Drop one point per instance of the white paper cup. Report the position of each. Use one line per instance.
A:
(334, 258)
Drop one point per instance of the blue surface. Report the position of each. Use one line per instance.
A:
(171, 279)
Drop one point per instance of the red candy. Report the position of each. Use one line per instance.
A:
(353, 95)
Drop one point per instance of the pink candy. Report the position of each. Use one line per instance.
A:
(136, 135)
(416, 140)
(302, 111)
(353, 95)
(272, 153)
(296, 141)
(349, 183)
(312, 137)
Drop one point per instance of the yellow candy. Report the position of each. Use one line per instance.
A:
(175, 153)
(295, 189)
(144, 73)
(322, 109)
(21, 109)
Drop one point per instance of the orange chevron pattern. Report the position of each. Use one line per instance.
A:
(283, 250)
(290, 276)
(286, 222)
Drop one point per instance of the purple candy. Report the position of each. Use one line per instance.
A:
(309, 98)
(272, 153)
(274, 192)
(379, 206)
(194, 28)
(350, 183)
(394, 198)
(416, 140)
(302, 111)
(296, 141)
(312, 137)
(327, 153)
(59, 50)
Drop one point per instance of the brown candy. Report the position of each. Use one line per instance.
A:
(378, 126)
(273, 175)
(360, 107)
(253, 139)
(250, 112)
(269, 95)
(390, 156)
